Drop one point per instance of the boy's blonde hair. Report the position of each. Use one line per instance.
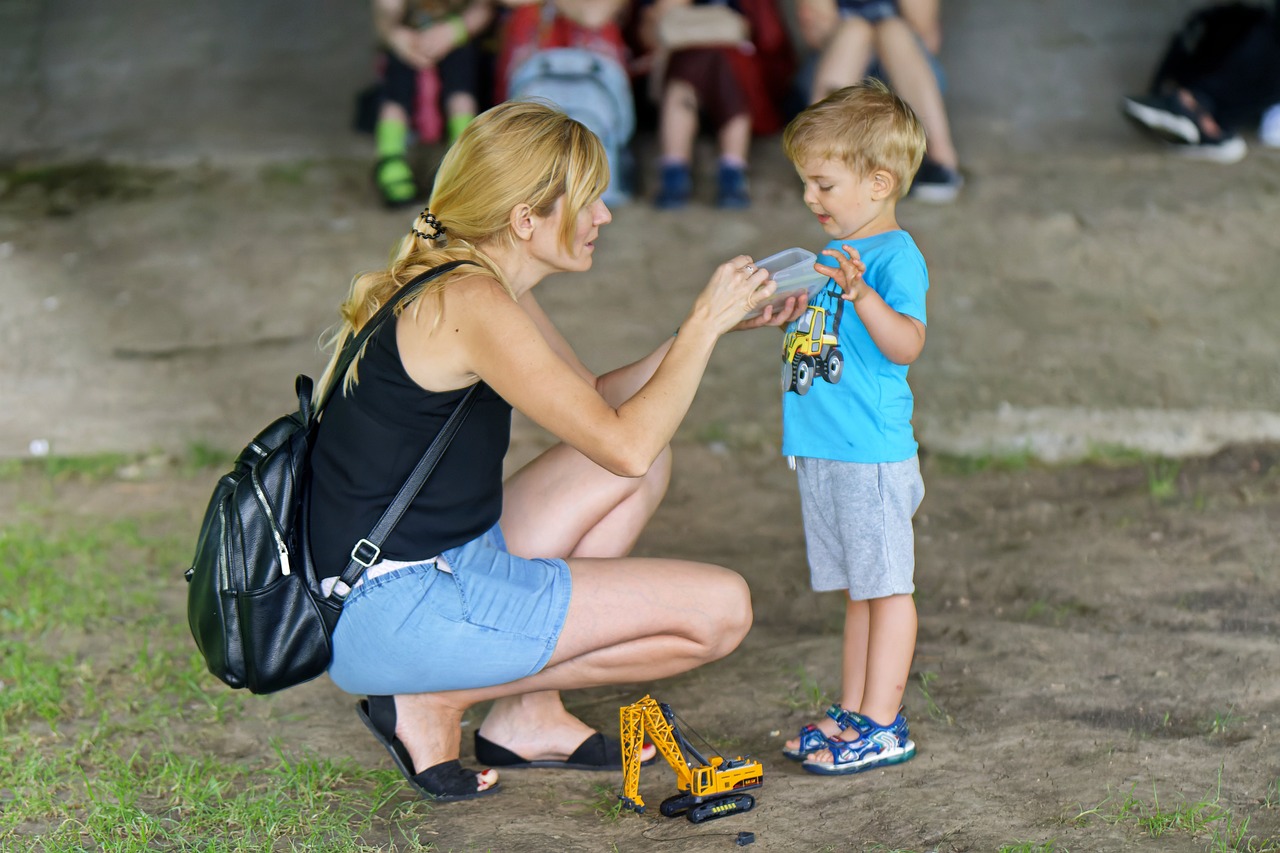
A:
(864, 126)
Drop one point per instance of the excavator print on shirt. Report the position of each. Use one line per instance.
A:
(809, 351)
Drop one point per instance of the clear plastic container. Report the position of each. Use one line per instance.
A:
(793, 270)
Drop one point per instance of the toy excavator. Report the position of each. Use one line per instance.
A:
(708, 789)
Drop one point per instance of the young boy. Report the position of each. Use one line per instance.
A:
(848, 431)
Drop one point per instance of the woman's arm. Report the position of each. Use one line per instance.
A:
(620, 384)
(484, 334)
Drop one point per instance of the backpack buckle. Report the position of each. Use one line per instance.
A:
(366, 553)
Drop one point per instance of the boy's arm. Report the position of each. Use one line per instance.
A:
(898, 336)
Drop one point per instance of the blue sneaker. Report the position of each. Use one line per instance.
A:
(676, 187)
(878, 746)
(732, 194)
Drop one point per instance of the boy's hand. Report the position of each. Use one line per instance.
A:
(849, 274)
(788, 312)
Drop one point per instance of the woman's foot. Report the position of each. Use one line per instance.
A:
(535, 730)
(442, 776)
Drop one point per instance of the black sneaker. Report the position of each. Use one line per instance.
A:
(1169, 118)
(1164, 115)
(936, 183)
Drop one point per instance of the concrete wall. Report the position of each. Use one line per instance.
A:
(264, 79)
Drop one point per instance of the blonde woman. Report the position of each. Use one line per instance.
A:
(512, 591)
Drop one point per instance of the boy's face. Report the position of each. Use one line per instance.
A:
(848, 205)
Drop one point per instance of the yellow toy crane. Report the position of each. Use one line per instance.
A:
(708, 789)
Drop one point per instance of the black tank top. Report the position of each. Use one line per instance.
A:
(368, 442)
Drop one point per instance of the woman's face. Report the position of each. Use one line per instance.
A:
(578, 256)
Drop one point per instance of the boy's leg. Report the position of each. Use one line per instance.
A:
(853, 668)
(891, 645)
(891, 641)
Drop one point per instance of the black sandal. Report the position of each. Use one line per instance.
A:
(445, 782)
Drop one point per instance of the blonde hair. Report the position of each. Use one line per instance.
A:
(865, 127)
(519, 152)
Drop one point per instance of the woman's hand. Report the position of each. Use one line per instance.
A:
(736, 287)
(790, 311)
(849, 273)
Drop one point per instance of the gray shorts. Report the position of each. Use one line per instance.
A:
(857, 525)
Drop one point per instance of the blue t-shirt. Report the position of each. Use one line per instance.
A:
(858, 405)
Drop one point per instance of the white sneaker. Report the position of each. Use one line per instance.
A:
(1228, 150)
(1269, 130)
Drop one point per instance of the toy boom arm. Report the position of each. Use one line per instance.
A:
(636, 719)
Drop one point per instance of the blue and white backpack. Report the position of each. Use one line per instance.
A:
(593, 89)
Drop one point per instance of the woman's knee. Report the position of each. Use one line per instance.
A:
(732, 615)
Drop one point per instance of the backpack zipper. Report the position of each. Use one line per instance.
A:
(285, 567)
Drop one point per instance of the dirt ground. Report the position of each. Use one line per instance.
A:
(1087, 630)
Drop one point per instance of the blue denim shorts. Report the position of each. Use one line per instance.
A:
(473, 617)
(872, 11)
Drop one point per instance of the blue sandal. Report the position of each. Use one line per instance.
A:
(877, 746)
(812, 738)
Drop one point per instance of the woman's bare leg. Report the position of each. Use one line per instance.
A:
(912, 77)
(845, 59)
(564, 505)
(630, 619)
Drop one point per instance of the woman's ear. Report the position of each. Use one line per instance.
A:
(523, 220)
(883, 184)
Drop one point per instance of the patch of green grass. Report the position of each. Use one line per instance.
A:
(100, 466)
(1050, 846)
(1044, 611)
(807, 695)
(604, 803)
(91, 180)
(935, 712)
(1207, 817)
(1271, 799)
(970, 465)
(200, 455)
(1221, 722)
(288, 174)
(1162, 478)
(106, 710)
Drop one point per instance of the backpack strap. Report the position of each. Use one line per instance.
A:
(369, 549)
(357, 341)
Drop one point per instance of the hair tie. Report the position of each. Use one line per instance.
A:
(437, 229)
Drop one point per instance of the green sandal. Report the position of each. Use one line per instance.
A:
(394, 180)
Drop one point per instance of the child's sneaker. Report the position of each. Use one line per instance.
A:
(936, 183)
(676, 186)
(812, 738)
(878, 746)
(732, 194)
